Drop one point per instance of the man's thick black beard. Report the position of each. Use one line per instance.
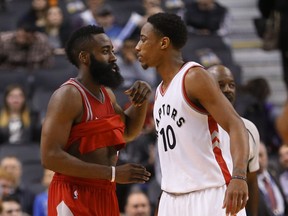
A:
(106, 74)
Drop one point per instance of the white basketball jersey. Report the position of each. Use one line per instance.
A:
(254, 143)
(187, 141)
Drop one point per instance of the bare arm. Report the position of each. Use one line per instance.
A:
(253, 167)
(252, 203)
(281, 123)
(201, 88)
(61, 113)
(135, 115)
(64, 109)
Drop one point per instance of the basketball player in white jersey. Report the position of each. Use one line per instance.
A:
(188, 105)
(225, 79)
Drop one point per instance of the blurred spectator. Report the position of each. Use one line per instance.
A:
(25, 48)
(36, 15)
(40, 202)
(57, 29)
(174, 3)
(252, 103)
(208, 23)
(174, 6)
(3, 6)
(13, 166)
(130, 67)
(150, 7)
(11, 207)
(266, 8)
(282, 123)
(207, 17)
(136, 21)
(271, 198)
(123, 9)
(18, 123)
(137, 204)
(87, 17)
(282, 7)
(7, 182)
(105, 17)
(73, 6)
(283, 159)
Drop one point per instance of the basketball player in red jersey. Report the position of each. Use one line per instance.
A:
(84, 129)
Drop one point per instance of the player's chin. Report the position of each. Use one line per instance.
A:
(144, 66)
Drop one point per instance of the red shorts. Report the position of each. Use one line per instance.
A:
(71, 196)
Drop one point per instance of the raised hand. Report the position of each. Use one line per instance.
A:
(139, 92)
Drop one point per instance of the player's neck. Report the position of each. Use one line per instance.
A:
(168, 73)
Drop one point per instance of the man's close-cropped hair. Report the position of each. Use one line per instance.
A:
(172, 26)
(80, 40)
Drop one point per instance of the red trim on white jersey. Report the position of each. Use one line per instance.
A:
(213, 128)
(193, 105)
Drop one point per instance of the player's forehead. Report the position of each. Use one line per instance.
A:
(224, 75)
(225, 79)
(148, 31)
(101, 41)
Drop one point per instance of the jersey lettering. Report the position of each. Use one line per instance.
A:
(166, 110)
(168, 137)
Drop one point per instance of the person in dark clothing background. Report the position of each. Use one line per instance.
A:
(281, 6)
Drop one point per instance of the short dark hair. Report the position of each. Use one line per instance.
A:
(11, 198)
(27, 26)
(172, 26)
(80, 40)
(104, 10)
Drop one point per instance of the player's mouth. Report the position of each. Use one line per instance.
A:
(115, 68)
(139, 58)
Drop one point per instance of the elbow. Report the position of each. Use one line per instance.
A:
(45, 162)
(48, 161)
(44, 165)
(128, 138)
(131, 135)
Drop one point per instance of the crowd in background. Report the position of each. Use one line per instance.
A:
(33, 65)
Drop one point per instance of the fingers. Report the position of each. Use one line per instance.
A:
(140, 174)
(132, 173)
(235, 198)
(138, 93)
(140, 178)
(234, 204)
(243, 201)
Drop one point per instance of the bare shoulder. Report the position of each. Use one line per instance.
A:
(199, 82)
(195, 73)
(66, 94)
(65, 100)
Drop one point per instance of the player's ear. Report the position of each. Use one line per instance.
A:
(84, 57)
(164, 43)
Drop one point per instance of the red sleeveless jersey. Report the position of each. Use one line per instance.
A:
(100, 125)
